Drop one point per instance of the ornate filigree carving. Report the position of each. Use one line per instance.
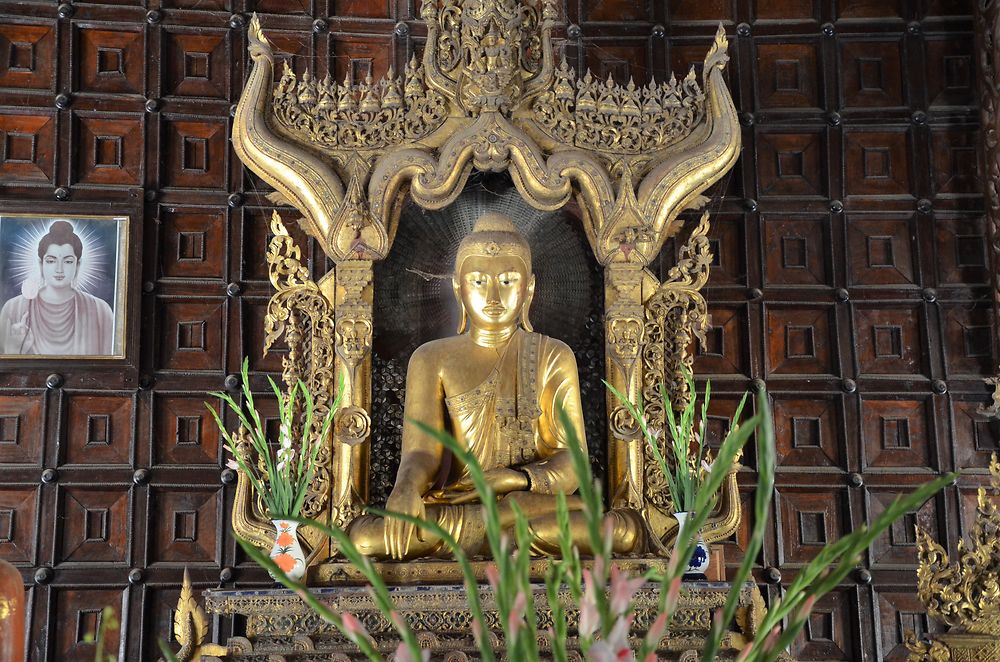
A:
(364, 117)
(964, 594)
(609, 118)
(278, 622)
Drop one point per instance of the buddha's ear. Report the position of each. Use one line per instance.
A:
(463, 321)
(525, 322)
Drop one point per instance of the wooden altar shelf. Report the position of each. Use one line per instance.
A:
(280, 627)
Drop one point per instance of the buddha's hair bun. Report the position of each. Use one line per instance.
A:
(59, 234)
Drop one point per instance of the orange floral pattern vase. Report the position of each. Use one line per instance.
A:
(287, 553)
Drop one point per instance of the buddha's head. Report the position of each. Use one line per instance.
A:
(493, 280)
(59, 253)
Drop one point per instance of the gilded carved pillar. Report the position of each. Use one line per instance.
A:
(624, 327)
(352, 296)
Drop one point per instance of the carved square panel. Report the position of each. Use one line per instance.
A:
(287, 7)
(195, 153)
(947, 8)
(889, 340)
(196, 64)
(897, 434)
(808, 431)
(829, 634)
(617, 10)
(204, 5)
(869, 8)
(962, 251)
(725, 349)
(78, 615)
(788, 74)
(95, 524)
(871, 74)
(897, 547)
(194, 242)
(254, 311)
(158, 616)
(27, 56)
(808, 521)
(791, 162)
(359, 57)
(187, 527)
(621, 59)
(110, 61)
(796, 250)
(881, 251)
(900, 612)
(365, 8)
(109, 150)
(99, 429)
(782, 10)
(876, 162)
(27, 146)
(296, 50)
(977, 436)
(954, 154)
(951, 71)
(21, 427)
(801, 340)
(710, 10)
(192, 334)
(18, 524)
(184, 432)
(968, 334)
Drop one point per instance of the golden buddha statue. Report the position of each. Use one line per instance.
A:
(496, 387)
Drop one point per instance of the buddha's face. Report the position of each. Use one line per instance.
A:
(493, 290)
(59, 265)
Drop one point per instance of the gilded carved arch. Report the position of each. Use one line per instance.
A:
(487, 95)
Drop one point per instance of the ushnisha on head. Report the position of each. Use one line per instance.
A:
(493, 280)
(59, 253)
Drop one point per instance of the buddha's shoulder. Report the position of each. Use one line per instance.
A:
(434, 352)
(554, 345)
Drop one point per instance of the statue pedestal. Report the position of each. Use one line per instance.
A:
(279, 624)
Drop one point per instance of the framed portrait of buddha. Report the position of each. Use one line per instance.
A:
(62, 286)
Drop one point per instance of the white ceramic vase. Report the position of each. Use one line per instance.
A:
(287, 552)
(698, 564)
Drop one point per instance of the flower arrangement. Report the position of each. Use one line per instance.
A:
(604, 593)
(688, 461)
(280, 478)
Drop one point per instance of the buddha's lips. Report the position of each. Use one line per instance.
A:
(494, 310)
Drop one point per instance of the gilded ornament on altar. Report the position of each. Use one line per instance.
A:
(963, 594)
(191, 627)
(487, 94)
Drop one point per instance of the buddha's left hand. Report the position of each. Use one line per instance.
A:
(502, 480)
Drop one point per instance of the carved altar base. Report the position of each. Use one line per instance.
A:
(439, 571)
(280, 627)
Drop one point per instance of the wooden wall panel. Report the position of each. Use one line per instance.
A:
(851, 277)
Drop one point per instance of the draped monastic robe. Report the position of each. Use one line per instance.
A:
(81, 325)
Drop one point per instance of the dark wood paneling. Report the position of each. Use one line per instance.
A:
(851, 275)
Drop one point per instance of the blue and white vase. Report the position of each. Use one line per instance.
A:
(698, 564)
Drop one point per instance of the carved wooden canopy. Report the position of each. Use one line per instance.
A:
(487, 95)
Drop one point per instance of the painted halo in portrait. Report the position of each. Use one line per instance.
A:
(62, 286)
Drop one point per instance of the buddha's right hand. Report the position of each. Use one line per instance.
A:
(397, 532)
